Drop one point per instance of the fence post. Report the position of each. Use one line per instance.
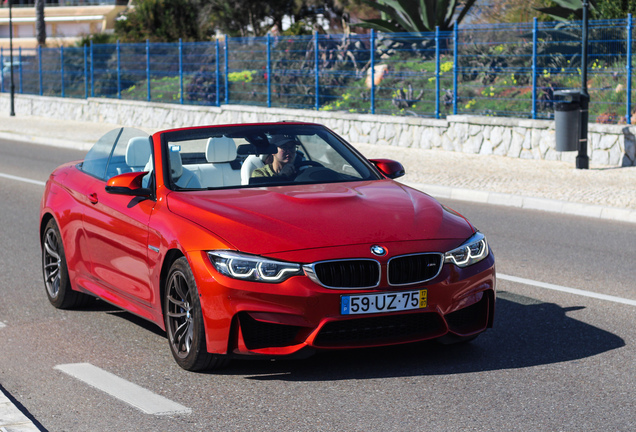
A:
(628, 115)
(148, 90)
(85, 71)
(437, 72)
(19, 67)
(217, 77)
(316, 72)
(372, 48)
(118, 72)
(62, 69)
(269, 71)
(455, 66)
(227, 82)
(40, 68)
(92, 71)
(535, 27)
(180, 71)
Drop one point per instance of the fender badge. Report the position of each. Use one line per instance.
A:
(378, 250)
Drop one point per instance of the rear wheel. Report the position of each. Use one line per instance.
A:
(55, 271)
(184, 321)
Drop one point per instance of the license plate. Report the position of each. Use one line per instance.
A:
(383, 302)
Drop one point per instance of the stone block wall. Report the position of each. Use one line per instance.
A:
(611, 145)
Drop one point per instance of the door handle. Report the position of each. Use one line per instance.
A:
(93, 198)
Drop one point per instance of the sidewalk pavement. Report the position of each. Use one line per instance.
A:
(601, 192)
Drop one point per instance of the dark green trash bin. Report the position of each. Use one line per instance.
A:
(567, 118)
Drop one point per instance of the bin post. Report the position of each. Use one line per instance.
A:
(582, 160)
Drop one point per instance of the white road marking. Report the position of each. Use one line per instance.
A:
(22, 179)
(132, 394)
(574, 291)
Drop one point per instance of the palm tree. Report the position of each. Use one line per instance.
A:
(40, 25)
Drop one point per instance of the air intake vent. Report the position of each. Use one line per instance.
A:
(380, 330)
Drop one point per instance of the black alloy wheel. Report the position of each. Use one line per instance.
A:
(184, 321)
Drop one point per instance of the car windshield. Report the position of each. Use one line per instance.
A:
(260, 155)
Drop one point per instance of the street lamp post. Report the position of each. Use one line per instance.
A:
(12, 86)
(582, 160)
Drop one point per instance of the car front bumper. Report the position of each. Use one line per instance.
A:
(250, 318)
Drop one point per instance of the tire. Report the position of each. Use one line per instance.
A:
(184, 321)
(55, 271)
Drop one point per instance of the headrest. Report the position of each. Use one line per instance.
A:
(138, 152)
(220, 149)
(176, 167)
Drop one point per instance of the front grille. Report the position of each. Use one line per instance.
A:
(381, 330)
(410, 269)
(346, 273)
(257, 334)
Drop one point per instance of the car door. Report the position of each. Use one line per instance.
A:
(116, 229)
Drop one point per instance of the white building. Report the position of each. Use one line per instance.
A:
(67, 21)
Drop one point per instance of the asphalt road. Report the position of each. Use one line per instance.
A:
(555, 361)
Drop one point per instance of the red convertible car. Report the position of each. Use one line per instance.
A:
(271, 239)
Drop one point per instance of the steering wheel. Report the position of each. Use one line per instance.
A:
(308, 163)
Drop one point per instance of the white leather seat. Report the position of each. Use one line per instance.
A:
(251, 163)
(182, 177)
(138, 153)
(218, 172)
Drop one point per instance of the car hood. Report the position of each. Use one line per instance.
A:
(287, 218)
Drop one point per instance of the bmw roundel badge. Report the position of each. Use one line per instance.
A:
(378, 250)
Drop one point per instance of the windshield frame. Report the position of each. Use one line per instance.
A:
(255, 134)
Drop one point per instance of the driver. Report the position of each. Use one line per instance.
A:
(282, 162)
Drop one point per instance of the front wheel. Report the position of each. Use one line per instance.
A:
(184, 321)
(55, 271)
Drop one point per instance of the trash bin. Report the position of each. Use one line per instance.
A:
(567, 118)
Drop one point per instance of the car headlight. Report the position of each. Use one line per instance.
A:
(252, 267)
(472, 251)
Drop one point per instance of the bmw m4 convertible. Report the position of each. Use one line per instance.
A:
(273, 239)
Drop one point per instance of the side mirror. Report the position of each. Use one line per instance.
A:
(128, 184)
(390, 168)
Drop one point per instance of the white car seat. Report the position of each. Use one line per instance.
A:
(218, 172)
(138, 153)
(251, 163)
(182, 177)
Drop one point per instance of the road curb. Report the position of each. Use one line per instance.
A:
(12, 419)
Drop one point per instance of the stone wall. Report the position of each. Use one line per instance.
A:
(612, 145)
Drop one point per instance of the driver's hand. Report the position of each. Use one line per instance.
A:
(288, 170)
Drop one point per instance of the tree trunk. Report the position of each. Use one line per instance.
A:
(40, 25)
